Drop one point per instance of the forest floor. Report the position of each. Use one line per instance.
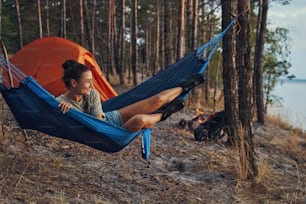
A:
(45, 169)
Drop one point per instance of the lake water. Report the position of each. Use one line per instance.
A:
(293, 94)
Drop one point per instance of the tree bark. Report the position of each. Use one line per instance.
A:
(194, 38)
(181, 30)
(210, 34)
(167, 33)
(19, 25)
(157, 42)
(47, 18)
(87, 24)
(63, 29)
(93, 25)
(189, 23)
(39, 19)
(162, 36)
(203, 28)
(229, 73)
(134, 41)
(110, 34)
(147, 54)
(0, 20)
(243, 48)
(82, 35)
(122, 44)
(258, 60)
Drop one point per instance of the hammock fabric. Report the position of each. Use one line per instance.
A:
(35, 108)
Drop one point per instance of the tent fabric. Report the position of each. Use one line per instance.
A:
(43, 58)
(35, 108)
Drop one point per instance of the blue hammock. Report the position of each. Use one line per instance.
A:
(35, 108)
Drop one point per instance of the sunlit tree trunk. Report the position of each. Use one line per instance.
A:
(181, 30)
(19, 24)
(194, 37)
(246, 146)
(203, 27)
(157, 42)
(39, 19)
(258, 60)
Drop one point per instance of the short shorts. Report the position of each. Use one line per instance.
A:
(113, 117)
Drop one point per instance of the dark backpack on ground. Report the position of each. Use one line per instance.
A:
(212, 129)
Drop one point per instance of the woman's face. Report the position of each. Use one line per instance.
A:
(84, 85)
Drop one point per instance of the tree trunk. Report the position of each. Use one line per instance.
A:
(229, 74)
(82, 35)
(47, 18)
(134, 41)
(181, 31)
(19, 25)
(203, 28)
(93, 25)
(110, 41)
(189, 23)
(243, 48)
(87, 24)
(258, 60)
(63, 20)
(121, 70)
(194, 37)
(157, 45)
(162, 35)
(72, 22)
(147, 54)
(0, 19)
(39, 19)
(210, 34)
(167, 33)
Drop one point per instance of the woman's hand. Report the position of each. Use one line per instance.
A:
(65, 106)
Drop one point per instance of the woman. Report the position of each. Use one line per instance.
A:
(81, 95)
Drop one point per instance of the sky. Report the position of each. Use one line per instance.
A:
(292, 17)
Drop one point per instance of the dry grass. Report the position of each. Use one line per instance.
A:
(280, 121)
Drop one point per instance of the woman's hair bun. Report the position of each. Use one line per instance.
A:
(68, 63)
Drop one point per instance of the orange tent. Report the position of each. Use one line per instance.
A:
(43, 58)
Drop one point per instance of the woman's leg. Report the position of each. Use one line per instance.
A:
(150, 104)
(136, 116)
(140, 121)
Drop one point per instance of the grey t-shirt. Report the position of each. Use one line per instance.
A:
(90, 104)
